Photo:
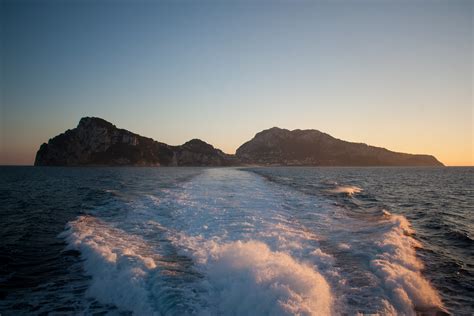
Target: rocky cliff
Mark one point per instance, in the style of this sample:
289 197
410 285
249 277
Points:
278 146
97 142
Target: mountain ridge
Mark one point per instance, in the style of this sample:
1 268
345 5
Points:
97 142
277 146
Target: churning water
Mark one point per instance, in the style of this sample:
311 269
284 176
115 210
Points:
218 241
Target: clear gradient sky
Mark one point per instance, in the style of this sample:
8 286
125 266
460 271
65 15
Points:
396 74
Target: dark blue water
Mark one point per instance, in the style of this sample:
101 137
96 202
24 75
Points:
275 241
438 202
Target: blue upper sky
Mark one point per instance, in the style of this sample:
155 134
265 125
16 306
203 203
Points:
397 74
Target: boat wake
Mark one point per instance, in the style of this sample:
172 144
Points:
229 241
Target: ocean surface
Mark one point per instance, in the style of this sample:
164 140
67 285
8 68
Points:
236 241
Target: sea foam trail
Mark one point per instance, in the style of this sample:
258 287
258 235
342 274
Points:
392 282
400 269
119 263
240 274
254 247
231 206
247 278
256 259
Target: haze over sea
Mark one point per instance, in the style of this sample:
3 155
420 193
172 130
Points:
246 241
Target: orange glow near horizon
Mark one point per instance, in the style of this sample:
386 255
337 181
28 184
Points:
397 75
455 154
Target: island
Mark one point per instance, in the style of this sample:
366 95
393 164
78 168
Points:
97 142
277 146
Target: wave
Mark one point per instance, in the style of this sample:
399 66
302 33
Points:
249 278
347 189
254 248
246 277
118 262
130 272
400 270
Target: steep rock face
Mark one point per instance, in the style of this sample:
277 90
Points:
278 146
97 142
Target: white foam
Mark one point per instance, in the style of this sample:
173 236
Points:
247 278
348 189
400 269
343 246
248 241
117 261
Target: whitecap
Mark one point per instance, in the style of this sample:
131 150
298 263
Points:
118 262
401 270
348 189
248 278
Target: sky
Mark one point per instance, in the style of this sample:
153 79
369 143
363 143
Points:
395 74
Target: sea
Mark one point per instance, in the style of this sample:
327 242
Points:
236 241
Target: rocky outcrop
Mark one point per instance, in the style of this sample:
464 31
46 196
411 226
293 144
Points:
97 142
278 146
